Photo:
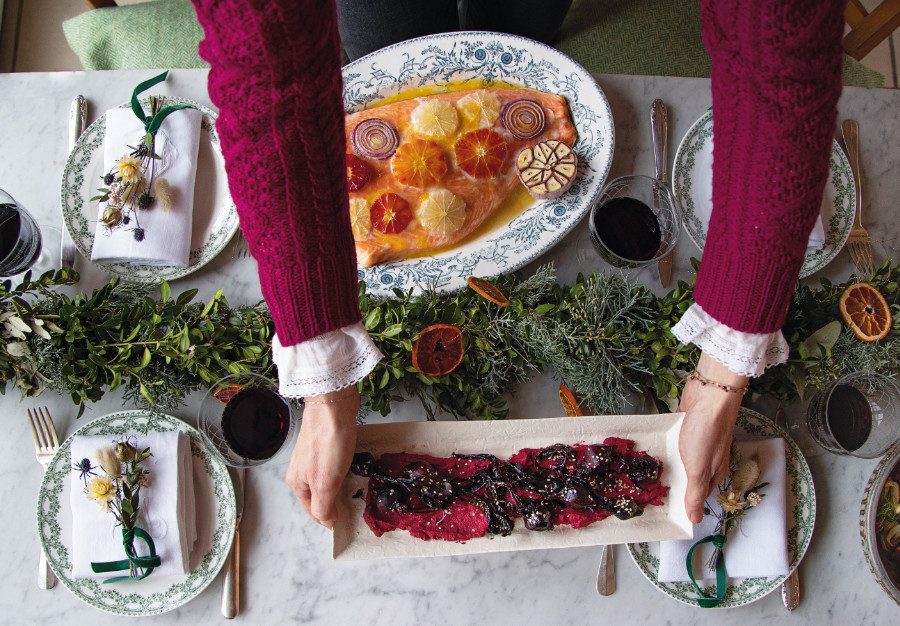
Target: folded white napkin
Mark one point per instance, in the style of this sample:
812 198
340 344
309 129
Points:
167 232
168 509
816 237
758 546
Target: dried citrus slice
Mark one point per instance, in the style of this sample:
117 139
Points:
438 350
570 404
435 119
360 220
481 153
480 108
358 173
225 393
866 312
419 163
442 213
487 290
390 214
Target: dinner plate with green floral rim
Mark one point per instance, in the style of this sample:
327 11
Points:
215 523
483 60
215 218
692 183
801 506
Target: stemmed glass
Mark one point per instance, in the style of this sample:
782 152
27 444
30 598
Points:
22 246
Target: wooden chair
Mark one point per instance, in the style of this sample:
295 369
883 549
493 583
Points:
867 30
99 4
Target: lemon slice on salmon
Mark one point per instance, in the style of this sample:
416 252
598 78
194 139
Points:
435 119
360 221
481 108
442 213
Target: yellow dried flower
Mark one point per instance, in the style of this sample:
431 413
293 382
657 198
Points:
745 477
731 502
106 457
129 169
100 489
111 216
164 194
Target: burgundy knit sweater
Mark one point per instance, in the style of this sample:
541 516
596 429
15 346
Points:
275 76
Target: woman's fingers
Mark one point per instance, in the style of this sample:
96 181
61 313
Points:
323 502
695 497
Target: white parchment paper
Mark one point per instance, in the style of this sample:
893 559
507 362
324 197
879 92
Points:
657 434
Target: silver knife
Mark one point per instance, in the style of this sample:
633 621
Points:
77 123
659 126
606 575
231 587
790 588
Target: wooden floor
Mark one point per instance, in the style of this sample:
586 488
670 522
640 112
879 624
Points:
41 46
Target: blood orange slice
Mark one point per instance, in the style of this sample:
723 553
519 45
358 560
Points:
481 153
438 350
866 312
487 290
225 393
419 163
390 214
570 404
358 173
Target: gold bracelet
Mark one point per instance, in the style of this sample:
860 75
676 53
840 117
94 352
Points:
695 375
350 393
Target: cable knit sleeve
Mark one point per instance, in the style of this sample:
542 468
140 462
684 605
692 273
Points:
275 77
776 78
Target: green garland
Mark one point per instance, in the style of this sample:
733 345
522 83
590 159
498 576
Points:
605 336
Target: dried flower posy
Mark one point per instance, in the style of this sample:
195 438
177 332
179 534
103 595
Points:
128 185
118 489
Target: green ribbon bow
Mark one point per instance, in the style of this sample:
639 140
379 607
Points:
706 601
153 122
133 562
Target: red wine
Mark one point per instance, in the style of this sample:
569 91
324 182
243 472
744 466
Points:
20 242
849 417
628 228
255 423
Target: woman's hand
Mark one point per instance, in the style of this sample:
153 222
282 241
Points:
323 452
705 442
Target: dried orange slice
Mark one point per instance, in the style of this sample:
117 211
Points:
866 312
568 401
481 153
419 163
487 290
225 393
438 350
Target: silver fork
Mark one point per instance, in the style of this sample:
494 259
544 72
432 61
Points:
46 443
859 244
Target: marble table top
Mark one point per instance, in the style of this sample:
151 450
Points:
287 574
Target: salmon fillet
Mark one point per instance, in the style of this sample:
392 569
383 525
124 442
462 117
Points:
482 196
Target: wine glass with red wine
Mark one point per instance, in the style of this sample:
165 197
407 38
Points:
857 415
245 420
21 242
635 222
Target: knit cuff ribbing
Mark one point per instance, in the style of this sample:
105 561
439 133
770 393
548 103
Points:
747 292
310 299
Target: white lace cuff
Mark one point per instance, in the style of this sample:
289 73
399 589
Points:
325 363
746 354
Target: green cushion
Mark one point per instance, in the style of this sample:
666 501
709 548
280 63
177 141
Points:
654 37
160 34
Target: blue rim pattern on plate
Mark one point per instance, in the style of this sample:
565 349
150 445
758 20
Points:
490 57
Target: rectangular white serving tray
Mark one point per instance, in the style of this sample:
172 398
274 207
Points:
657 434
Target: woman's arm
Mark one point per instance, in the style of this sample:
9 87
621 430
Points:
275 76
776 78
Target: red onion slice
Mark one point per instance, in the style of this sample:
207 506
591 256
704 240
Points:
524 118
375 138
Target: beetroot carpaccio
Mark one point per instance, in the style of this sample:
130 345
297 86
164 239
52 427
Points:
467 496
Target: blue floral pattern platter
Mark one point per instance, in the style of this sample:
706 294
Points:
489 58
692 183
